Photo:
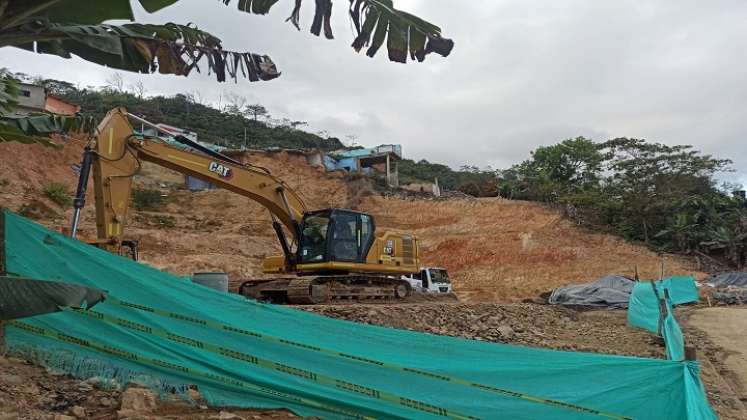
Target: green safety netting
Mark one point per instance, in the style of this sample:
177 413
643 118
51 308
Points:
645 310
172 334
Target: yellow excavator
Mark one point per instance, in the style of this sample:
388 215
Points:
328 254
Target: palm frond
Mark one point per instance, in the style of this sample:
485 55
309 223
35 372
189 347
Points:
168 49
36 128
8 93
375 21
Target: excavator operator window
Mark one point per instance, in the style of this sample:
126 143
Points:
314 238
345 237
336 235
366 236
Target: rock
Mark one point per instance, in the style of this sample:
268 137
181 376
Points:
194 395
54 372
138 399
105 402
63 417
78 412
85 387
13 416
225 415
506 331
10 379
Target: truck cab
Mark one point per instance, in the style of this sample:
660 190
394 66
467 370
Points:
430 280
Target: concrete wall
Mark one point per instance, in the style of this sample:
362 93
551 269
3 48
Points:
32 97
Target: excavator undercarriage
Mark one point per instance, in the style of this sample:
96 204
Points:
326 289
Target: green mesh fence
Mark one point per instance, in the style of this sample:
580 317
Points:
651 308
172 335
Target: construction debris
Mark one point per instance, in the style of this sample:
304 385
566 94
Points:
729 288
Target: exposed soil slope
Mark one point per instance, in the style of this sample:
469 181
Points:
496 250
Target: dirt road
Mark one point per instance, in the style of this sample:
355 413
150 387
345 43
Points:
727 328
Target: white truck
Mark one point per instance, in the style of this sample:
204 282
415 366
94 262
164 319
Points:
430 280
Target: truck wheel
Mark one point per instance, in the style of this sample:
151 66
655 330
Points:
402 290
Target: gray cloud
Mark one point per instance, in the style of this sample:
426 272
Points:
523 74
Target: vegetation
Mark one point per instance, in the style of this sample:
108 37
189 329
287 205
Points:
66 27
665 196
164 221
468 179
146 199
233 125
58 193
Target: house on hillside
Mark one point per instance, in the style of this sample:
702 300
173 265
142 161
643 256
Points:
34 98
382 159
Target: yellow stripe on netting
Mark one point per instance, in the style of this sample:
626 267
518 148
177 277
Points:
459 381
181 369
273 365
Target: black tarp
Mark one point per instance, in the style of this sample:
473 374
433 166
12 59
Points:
731 287
735 278
611 291
22 297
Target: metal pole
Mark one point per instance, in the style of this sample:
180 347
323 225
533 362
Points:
143 121
80 194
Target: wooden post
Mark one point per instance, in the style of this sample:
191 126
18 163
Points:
690 353
662 269
2 273
2 241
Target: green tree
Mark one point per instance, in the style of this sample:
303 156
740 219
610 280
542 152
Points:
568 167
256 110
650 178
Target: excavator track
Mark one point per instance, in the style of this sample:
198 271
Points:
326 289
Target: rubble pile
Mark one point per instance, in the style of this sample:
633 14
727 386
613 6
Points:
524 324
31 392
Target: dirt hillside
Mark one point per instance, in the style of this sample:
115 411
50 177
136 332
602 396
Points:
495 250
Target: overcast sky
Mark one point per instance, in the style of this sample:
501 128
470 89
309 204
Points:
523 74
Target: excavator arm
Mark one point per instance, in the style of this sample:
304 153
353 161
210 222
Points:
116 156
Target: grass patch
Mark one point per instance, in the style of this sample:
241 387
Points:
58 193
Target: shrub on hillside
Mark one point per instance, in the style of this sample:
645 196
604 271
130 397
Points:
58 193
162 221
146 199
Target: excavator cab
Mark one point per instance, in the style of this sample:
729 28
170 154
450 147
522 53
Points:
335 235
